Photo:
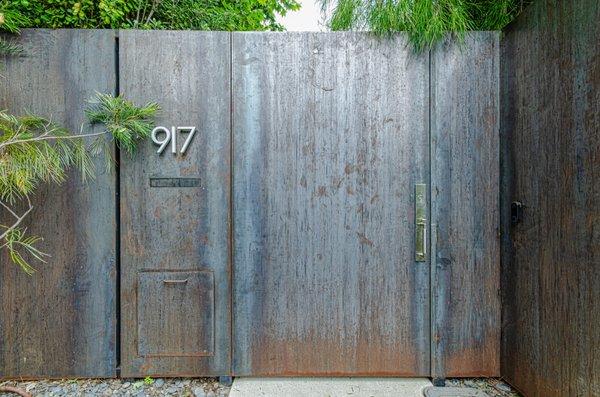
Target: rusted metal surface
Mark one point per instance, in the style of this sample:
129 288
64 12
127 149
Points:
61 321
177 232
465 176
330 138
551 163
332 134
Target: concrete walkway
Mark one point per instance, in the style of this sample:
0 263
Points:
328 387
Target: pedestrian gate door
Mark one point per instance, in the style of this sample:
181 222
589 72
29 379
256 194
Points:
329 144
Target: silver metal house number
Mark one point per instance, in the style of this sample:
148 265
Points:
170 135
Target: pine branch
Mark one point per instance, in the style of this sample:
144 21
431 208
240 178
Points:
9 48
35 150
16 240
19 218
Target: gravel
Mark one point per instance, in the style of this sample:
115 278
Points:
197 387
493 387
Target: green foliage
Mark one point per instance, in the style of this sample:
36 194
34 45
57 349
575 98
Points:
11 20
229 15
425 21
9 48
34 150
11 17
126 122
17 242
154 14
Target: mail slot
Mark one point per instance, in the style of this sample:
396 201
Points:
174 182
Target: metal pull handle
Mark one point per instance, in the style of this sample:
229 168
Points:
175 281
420 222
421 251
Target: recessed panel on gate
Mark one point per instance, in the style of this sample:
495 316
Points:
175 264
331 136
180 306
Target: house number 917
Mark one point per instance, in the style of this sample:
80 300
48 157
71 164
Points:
170 135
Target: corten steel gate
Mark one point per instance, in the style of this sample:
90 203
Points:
336 212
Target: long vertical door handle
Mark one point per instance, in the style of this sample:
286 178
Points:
420 222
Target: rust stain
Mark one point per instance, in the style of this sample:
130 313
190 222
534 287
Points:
321 191
145 367
364 240
530 381
189 170
348 169
205 240
337 182
374 198
370 355
349 190
478 359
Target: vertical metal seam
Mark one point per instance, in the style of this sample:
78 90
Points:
230 210
497 71
117 220
432 222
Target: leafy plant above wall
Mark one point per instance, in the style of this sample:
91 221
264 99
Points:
34 150
11 20
153 14
425 21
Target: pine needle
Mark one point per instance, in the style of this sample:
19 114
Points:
124 121
425 21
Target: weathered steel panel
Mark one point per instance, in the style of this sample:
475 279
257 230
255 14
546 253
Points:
551 163
172 226
465 207
60 322
182 298
330 138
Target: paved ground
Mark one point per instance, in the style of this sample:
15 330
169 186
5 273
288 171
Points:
209 387
328 387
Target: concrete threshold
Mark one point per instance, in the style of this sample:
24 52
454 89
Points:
329 387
